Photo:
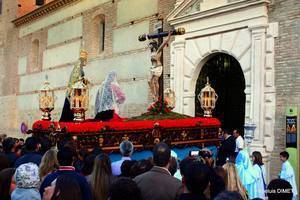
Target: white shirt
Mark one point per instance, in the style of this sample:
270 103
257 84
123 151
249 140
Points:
239 144
287 173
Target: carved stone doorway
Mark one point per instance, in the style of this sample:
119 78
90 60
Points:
227 78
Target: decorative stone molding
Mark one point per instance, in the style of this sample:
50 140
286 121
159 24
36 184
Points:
42 11
239 29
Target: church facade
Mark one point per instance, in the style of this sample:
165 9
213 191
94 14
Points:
260 38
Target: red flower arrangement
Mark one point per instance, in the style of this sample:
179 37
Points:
159 107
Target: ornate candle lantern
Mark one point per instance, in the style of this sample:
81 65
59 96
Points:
170 98
79 100
46 100
208 98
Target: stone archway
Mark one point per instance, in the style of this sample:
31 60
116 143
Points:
227 78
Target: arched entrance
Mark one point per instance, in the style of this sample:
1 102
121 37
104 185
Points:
227 78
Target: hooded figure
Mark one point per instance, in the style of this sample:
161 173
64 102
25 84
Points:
27 182
246 172
109 98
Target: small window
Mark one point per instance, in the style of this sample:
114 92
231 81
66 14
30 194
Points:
101 35
0 7
99 31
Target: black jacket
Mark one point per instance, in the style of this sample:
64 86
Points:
226 150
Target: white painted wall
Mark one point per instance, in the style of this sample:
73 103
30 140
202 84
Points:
66 31
126 39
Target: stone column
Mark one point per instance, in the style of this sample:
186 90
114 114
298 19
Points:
176 72
257 83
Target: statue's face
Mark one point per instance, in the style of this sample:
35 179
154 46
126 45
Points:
83 57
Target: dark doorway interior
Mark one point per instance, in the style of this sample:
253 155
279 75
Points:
227 78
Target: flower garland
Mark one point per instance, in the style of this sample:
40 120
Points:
159 107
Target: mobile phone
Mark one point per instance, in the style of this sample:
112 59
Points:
194 153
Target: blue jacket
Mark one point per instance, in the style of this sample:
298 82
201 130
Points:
29 157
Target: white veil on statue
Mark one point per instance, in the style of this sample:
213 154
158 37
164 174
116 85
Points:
109 95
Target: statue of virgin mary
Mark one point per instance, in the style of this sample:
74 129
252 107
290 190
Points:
109 98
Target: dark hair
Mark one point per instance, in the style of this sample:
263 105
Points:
173 166
184 164
281 184
45 145
21 139
140 167
125 189
4 162
65 156
126 166
5 181
161 154
126 148
88 165
285 154
257 158
153 45
226 195
8 144
96 151
31 144
197 177
66 188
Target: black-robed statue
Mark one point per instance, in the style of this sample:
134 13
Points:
76 75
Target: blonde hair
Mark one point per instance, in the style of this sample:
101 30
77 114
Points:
49 163
101 177
233 182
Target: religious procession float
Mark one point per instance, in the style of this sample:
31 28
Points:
107 130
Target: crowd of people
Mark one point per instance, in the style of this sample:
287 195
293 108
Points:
34 169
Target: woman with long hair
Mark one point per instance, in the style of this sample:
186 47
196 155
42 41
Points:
260 170
48 164
233 182
65 188
101 177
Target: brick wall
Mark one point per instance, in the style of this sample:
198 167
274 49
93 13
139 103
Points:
287 69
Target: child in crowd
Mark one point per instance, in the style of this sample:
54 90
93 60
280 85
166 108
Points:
287 172
27 183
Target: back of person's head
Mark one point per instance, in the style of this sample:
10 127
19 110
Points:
173 166
4 162
140 167
65 156
126 167
227 195
88 164
226 131
96 151
5 182
31 144
232 180
124 189
101 176
27 176
183 165
257 158
8 144
279 189
66 188
45 145
196 178
161 154
49 163
126 148
285 154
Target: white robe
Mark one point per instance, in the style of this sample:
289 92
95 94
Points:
260 174
287 173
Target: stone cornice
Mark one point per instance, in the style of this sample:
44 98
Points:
42 11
